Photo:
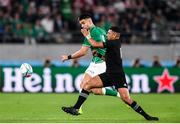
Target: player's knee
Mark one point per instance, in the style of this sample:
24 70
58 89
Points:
81 85
87 86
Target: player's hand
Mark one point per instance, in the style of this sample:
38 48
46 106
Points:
85 32
64 58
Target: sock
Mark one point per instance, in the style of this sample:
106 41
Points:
110 92
82 97
80 108
80 90
138 109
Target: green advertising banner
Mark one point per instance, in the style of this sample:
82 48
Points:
68 79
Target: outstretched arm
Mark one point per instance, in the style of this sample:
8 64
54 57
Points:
94 43
83 51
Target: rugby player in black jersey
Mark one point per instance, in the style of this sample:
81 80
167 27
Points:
114 75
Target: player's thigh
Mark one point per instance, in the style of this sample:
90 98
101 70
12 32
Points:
92 71
85 79
94 82
99 68
95 69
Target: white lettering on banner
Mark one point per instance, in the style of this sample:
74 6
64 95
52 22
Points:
47 87
64 83
13 82
32 84
78 81
136 80
10 79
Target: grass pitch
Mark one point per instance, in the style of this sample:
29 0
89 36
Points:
97 109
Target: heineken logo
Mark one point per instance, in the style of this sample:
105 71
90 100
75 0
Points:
68 80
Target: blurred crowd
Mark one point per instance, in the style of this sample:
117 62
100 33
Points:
156 62
137 63
55 21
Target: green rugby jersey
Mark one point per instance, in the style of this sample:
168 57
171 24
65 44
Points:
98 35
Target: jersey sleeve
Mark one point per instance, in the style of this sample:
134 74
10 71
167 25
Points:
98 36
109 44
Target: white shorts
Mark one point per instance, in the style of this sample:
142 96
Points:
95 69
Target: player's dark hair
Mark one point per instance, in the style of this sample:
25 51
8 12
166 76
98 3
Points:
115 29
84 16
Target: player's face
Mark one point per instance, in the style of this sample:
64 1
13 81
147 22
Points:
85 23
110 35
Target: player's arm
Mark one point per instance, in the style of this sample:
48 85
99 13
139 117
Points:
91 40
83 51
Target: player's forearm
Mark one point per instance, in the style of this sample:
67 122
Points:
83 51
77 54
95 43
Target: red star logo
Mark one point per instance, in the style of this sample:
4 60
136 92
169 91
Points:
165 81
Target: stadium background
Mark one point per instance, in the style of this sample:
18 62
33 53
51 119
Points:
39 31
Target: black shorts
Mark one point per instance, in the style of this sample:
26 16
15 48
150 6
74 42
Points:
114 79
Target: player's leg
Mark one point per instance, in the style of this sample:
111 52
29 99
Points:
73 110
124 93
85 79
95 82
100 68
109 91
97 91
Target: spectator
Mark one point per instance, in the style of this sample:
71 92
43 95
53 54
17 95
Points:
137 63
75 63
58 23
38 32
48 63
141 20
177 62
156 62
48 24
66 10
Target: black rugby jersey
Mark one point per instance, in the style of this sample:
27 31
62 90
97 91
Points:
113 56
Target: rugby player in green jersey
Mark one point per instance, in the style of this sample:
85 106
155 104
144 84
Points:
97 65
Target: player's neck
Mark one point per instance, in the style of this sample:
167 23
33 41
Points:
92 25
